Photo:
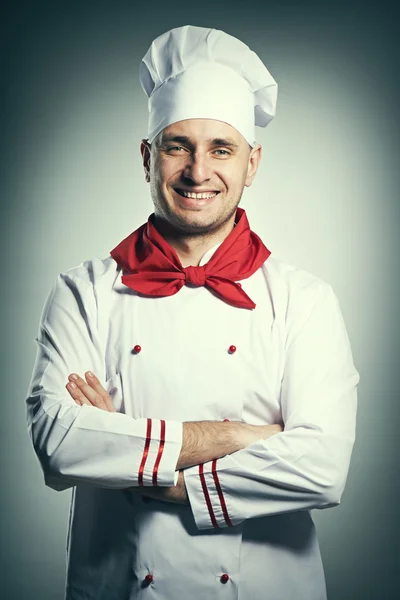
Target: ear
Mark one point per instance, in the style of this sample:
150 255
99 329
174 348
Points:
145 150
253 162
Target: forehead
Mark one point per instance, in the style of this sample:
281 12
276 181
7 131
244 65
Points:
202 130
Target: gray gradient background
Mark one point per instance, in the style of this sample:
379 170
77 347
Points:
325 199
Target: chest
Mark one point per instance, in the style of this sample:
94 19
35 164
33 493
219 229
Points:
199 358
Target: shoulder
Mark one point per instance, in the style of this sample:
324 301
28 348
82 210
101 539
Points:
92 272
295 293
83 284
293 281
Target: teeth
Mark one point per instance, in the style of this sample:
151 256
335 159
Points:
198 196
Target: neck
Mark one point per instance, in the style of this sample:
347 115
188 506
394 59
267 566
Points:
190 247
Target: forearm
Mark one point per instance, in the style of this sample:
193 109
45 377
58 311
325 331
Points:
88 446
301 469
203 441
206 440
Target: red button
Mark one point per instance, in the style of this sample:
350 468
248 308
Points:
137 348
224 578
226 420
239 284
232 349
148 578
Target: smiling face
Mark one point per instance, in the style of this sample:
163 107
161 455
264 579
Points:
197 171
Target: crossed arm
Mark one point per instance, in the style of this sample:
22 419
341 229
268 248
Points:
229 471
202 441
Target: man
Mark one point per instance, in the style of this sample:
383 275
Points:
211 393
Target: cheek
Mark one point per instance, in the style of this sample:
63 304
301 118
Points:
234 175
164 169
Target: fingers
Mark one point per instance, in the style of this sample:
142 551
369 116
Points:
76 393
89 392
96 385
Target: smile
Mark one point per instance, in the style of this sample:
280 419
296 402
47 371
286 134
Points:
198 196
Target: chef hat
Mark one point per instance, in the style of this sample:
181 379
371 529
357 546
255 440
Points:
194 72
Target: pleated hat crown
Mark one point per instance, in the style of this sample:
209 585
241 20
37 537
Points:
195 72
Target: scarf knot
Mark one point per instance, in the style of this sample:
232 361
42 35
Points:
152 266
195 275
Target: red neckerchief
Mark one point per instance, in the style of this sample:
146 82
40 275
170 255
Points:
152 267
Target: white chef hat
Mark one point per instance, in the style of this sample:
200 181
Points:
195 72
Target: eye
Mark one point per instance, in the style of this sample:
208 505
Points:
175 148
222 152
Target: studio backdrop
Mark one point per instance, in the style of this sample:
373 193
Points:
325 199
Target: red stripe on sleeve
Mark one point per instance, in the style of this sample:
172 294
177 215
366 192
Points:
207 496
160 451
220 493
145 452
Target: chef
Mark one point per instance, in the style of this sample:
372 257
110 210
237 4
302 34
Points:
197 394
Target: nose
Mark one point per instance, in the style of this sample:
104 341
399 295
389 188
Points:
198 168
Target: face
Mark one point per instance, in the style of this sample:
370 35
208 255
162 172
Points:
197 171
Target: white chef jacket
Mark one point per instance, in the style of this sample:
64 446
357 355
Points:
247 533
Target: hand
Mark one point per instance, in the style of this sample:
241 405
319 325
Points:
89 392
176 494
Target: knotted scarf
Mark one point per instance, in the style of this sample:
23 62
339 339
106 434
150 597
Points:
153 268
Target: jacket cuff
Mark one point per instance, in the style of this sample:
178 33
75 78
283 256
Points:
162 447
207 498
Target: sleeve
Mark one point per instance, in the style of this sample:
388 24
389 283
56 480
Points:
83 444
305 466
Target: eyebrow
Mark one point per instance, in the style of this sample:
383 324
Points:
183 139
